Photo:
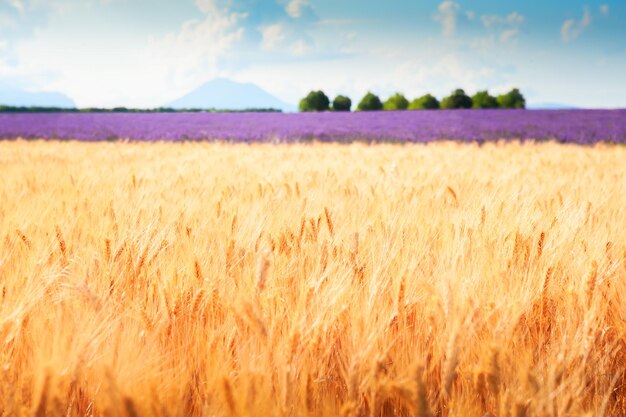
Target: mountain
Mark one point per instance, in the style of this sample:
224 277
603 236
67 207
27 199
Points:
551 106
224 94
11 97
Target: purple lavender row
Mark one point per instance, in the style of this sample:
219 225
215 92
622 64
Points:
572 126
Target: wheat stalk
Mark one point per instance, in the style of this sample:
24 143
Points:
540 244
261 277
329 222
23 238
42 404
590 281
227 391
450 364
61 242
422 406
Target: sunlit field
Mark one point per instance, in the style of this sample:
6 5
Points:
206 279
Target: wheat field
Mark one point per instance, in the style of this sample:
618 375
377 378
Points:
207 279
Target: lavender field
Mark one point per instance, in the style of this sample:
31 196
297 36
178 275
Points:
571 126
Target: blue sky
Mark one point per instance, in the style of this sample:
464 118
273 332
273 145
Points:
147 52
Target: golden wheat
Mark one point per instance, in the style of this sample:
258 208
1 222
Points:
206 279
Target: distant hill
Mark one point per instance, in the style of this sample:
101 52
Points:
222 94
10 97
551 106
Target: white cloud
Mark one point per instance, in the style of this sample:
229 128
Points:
569 31
484 44
54 6
508 25
447 16
295 7
334 22
489 20
285 40
195 50
572 29
272 36
513 19
604 9
122 69
17 4
207 6
508 35
300 48
471 15
586 21
7 21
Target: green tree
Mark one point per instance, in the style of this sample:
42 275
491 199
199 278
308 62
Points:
314 101
370 102
426 102
457 100
396 102
484 100
512 100
342 103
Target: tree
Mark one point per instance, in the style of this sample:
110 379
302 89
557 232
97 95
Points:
396 102
512 100
483 100
314 101
457 100
426 102
342 103
370 102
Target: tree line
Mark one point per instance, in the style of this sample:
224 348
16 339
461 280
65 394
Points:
458 99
